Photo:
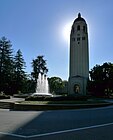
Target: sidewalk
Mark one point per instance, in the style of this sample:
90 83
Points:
12 100
7 104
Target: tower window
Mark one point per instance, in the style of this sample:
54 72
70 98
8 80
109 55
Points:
78 38
84 28
73 30
83 38
78 28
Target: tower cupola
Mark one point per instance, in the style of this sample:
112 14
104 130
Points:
79 18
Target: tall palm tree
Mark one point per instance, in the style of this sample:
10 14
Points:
39 66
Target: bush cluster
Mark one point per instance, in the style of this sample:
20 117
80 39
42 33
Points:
37 98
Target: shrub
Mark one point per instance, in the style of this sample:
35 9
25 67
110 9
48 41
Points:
35 98
59 98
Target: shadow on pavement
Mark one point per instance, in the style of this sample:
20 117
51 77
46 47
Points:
40 123
28 124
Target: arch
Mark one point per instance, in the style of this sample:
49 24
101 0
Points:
77 88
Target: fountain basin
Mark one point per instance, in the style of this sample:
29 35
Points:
42 94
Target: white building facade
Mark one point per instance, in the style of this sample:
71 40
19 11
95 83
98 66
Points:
79 57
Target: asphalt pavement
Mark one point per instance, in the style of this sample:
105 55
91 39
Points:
81 124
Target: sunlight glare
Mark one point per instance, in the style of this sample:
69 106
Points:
66 31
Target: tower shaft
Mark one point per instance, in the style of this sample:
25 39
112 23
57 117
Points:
79 57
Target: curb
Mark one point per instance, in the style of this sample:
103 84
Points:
27 107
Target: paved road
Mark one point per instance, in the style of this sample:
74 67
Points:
83 124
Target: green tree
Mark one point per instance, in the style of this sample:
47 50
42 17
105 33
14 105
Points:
56 84
6 65
39 66
19 75
102 79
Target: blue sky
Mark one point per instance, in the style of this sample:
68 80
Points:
36 28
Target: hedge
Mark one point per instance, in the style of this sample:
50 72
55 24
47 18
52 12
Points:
59 98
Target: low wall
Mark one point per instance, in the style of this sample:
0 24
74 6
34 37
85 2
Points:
6 105
26 107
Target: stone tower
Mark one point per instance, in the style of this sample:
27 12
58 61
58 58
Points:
79 57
